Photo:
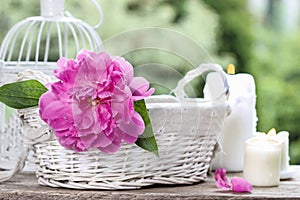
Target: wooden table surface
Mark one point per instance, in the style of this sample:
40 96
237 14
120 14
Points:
25 186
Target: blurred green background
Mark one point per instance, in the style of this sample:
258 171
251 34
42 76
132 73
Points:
258 36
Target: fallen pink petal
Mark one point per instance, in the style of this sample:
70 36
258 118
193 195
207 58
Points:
221 179
240 185
236 184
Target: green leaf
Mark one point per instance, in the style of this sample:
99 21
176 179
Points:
146 140
23 94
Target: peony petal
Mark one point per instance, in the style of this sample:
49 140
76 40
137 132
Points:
67 70
59 124
93 67
221 179
46 99
127 68
128 139
85 120
240 185
134 128
53 110
71 142
96 141
79 146
102 140
113 147
122 105
87 140
139 88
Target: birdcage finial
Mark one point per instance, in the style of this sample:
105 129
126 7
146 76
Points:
52 8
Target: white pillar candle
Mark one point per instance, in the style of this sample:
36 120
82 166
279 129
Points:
262 161
240 124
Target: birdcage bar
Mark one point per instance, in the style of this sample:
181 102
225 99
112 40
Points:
29 47
25 39
78 31
47 44
37 42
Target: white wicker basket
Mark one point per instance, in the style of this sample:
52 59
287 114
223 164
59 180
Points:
186 131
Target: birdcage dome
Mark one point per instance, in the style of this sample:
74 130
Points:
37 43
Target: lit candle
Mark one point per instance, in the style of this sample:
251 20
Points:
262 161
285 159
241 123
283 136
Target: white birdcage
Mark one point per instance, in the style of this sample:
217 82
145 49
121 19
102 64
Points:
37 43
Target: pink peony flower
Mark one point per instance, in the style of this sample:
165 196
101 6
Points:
237 184
91 106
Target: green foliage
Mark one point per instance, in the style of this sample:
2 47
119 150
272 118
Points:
147 139
276 70
234 30
23 94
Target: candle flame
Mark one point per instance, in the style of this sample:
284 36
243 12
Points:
272 132
230 69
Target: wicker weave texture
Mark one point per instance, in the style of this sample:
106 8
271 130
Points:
186 146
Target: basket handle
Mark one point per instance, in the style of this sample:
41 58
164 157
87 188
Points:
209 67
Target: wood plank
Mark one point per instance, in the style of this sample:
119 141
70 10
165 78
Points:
25 186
